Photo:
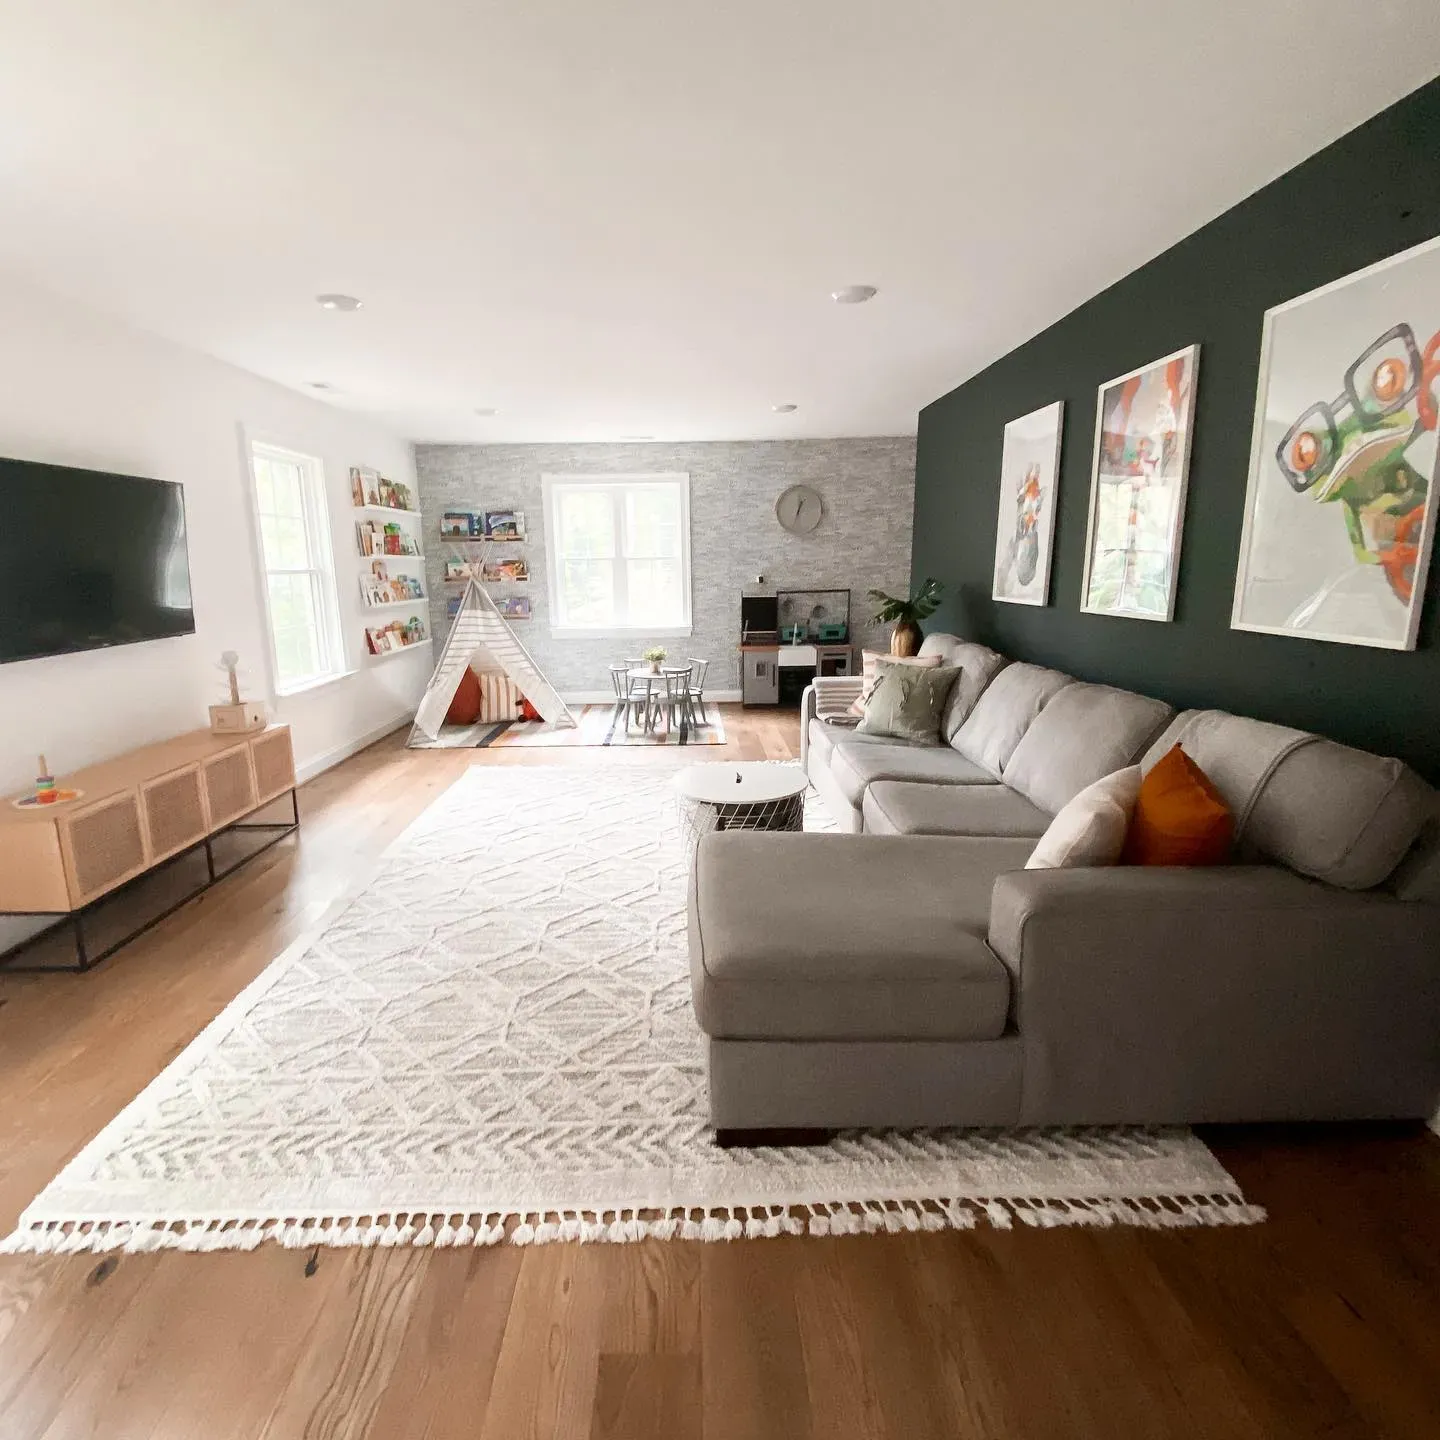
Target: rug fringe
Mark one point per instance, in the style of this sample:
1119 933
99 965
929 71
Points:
456 1229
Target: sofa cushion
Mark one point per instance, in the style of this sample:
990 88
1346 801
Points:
825 735
1090 830
1085 733
1179 817
1004 712
1340 815
834 696
895 808
940 647
870 666
908 700
854 767
1417 877
839 966
979 665
1237 754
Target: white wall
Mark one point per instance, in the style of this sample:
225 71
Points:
77 388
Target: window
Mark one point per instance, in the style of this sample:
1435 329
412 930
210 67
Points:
618 552
294 526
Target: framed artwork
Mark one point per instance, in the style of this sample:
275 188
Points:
1340 508
1143 423
1025 530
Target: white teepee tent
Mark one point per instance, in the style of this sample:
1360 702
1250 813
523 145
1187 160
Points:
481 631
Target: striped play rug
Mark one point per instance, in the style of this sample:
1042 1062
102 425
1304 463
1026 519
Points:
599 725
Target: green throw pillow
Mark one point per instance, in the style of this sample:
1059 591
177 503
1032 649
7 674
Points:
908 700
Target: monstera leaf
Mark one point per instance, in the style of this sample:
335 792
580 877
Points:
920 606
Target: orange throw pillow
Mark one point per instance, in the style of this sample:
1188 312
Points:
1180 818
465 705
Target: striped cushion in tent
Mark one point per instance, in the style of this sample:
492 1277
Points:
499 697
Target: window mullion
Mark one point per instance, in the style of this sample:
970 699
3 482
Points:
620 564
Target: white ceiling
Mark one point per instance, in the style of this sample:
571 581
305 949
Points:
607 217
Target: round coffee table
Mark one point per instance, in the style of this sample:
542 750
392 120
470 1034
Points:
739 795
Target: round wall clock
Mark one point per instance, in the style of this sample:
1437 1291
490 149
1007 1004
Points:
800 509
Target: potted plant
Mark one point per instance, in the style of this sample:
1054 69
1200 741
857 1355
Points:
907 614
656 656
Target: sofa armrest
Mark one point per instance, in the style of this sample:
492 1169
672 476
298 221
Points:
1234 993
839 691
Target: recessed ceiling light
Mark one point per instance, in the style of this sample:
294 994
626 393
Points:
486 411
337 302
637 437
784 409
853 294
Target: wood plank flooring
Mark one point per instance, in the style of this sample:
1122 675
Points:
1324 1322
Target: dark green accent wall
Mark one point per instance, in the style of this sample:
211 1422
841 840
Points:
1372 193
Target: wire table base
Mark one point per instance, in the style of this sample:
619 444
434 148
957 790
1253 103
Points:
700 817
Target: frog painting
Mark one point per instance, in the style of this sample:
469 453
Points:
1340 514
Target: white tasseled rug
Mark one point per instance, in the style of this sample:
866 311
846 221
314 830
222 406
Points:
493 1040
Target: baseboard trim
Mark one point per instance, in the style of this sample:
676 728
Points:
331 758
607 697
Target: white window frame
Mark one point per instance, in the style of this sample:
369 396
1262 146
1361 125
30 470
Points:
319 542
551 485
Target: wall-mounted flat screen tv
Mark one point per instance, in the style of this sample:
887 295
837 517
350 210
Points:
89 559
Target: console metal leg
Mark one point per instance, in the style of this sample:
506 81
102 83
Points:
82 955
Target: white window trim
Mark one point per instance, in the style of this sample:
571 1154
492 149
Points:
316 499
548 487
305 686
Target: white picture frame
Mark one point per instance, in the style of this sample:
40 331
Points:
1134 581
1299 571
1025 522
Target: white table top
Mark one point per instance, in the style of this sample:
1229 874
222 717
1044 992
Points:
646 673
743 782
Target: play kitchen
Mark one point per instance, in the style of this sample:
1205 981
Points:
787 639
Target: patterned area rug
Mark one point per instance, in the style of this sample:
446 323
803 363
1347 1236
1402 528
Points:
493 1040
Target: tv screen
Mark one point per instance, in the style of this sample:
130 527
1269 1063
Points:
88 560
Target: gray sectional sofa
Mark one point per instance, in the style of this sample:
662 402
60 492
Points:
913 973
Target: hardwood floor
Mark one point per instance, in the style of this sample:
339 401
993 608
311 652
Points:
1324 1322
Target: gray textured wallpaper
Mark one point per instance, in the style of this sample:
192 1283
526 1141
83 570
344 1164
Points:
864 540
